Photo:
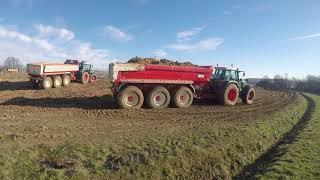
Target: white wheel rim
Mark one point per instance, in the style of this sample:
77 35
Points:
66 81
47 84
58 83
131 99
250 95
184 98
159 99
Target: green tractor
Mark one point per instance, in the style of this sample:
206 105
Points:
86 73
228 87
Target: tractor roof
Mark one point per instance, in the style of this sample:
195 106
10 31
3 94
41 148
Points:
224 68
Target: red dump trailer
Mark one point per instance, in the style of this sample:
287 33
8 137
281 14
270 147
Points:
157 86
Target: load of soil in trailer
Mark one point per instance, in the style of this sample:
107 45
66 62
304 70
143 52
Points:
141 60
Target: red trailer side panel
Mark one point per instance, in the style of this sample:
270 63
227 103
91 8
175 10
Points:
167 74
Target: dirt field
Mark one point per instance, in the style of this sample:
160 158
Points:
87 115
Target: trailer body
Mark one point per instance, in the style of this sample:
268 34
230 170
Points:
43 69
157 86
149 75
190 81
138 73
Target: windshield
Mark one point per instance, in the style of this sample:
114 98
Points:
218 74
225 74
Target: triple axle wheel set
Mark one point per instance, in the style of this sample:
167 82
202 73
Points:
57 81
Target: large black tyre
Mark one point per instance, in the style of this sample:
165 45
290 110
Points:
66 80
248 95
84 79
57 81
35 85
93 78
158 97
228 95
129 98
47 83
182 97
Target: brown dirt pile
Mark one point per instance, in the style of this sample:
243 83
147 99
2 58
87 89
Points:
141 60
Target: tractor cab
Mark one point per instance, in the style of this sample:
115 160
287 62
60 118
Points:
225 75
84 66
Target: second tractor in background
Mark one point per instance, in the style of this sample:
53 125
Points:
48 75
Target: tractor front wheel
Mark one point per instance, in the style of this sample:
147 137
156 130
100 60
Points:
248 95
229 95
159 97
129 98
93 78
85 77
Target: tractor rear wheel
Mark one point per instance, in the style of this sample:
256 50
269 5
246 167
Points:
66 80
85 77
129 98
248 95
47 83
93 78
182 98
229 95
57 81
159 97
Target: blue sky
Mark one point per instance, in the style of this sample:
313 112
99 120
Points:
263 37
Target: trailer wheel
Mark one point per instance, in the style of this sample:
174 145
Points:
85 77
159 97
66 80
57 81
130 97
47 83
93 78
229 95
182 98
248 95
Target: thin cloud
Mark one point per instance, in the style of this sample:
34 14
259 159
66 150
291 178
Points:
227 13
235 7
204 45
160 53
4 33
53 32
21 3
116 33
309 36
139 3
48 46
188 34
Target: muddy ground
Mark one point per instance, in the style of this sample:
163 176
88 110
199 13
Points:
87 114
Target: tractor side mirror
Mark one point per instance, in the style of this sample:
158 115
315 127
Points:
244 74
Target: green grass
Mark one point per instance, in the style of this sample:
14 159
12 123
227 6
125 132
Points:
194 154
301 159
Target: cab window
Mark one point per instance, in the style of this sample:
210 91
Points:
233 75
218 74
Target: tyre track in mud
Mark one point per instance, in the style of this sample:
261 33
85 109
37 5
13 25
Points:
277 150
89 113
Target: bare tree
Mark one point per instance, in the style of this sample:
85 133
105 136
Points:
12 63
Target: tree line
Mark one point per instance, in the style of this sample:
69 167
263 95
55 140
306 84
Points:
309 84
12 63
